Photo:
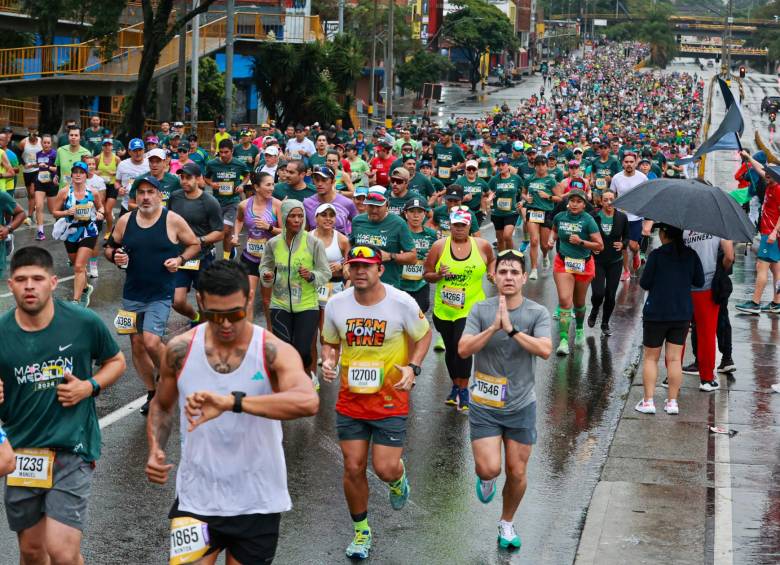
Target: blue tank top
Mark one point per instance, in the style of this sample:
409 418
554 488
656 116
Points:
147 278
82 224
252 252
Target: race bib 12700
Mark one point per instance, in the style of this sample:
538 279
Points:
365 377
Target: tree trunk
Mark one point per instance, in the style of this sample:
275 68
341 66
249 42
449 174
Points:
133 124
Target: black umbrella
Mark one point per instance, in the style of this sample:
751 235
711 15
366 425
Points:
689 204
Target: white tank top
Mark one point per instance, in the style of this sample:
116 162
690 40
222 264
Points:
233 465
333 251
29 155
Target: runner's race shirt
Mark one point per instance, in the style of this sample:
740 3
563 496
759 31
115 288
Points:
32 364
446 159
477 188
569 224
507 192
246 156
392 235
374 339
535 186
226 178
412 275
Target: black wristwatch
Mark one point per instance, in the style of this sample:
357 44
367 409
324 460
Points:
514 332
202 241
238 398
95 386
416 369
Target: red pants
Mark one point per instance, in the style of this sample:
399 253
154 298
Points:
705 314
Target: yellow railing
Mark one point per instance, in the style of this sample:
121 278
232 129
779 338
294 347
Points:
87 58
19 113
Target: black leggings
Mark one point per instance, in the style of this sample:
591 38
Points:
299 330
604 286
450 332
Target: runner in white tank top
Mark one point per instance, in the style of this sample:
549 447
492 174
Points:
234 382
30 147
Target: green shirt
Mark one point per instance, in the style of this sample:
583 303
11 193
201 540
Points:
446 158
226 177
485 169
65 159
7 207
392 234
441 217
422 243
477 188
506 193
359 172
422 184
92 139
199 156
283 190
602 169
568 224
246 156
168 184
395 204
32 364
317 160
526 172
535 186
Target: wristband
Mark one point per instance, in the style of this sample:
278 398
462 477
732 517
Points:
238 397
95 386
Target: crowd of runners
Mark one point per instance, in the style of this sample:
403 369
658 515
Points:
339 253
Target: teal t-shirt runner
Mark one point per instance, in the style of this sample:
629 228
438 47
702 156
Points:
446 158
506 193
441 217
246 156
535 186
168 184
412 275
477 188
392 234
32 364
283 190
602 170
226 177
569 224
395 204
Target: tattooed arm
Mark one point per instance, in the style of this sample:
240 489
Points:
294 395
163 408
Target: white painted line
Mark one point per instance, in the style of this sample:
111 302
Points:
723 542
129 408
63 279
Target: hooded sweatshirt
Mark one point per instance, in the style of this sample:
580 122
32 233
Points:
291 292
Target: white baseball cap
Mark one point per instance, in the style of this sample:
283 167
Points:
156 152
271 150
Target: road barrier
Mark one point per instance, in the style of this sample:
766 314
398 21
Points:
770 155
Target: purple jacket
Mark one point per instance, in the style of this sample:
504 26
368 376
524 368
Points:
345 211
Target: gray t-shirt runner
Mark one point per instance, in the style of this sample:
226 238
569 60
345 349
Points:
504 372
203 214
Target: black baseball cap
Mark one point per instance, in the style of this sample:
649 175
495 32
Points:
454 192
191 168
416 203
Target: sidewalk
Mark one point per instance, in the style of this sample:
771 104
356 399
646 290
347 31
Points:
671 491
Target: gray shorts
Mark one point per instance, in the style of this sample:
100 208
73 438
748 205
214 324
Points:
65 502
519 426
152 317
229 212
387 431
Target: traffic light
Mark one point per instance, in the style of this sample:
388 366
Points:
742 72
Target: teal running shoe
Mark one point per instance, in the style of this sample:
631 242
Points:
507 536
360 546
399 491
484 487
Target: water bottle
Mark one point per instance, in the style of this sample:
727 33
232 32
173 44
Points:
125 251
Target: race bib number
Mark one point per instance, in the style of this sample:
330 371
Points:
575 266
482 173
324 292
412 272
295 293
125 322
366 377
504 204
601 184
489 390
189 540
606 228
44 176
83 212
453 297
225 188
191 265
444 172
255 247
670 172
34 468
536 216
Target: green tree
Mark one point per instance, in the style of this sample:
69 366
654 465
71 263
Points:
621 32
159 29
211 90
657 31
344 61
475 28
424 66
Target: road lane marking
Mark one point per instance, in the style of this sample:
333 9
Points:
59 280
723 542
118 414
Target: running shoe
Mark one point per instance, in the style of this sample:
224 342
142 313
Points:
507 536
315 381
709 386
727 365
27 221
563 347
626 276
86 295
40 236
776 387
92 270
486 490
671 407
592 317
360 546
524 245
691 369
749 307
605 329
452 399
546 263
439 345
399 493
645 406
534 275
463 400
770 308
665 383
579 337
145 408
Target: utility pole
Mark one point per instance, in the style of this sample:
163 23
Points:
195 65
390 62
729 23
230 14
181 93
373 67
341 16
